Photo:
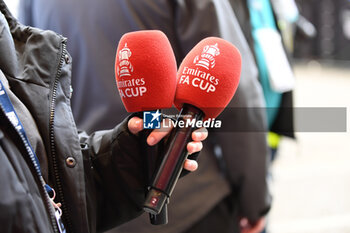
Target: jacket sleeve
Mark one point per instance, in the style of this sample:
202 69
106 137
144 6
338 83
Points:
243 137
118 171
245 151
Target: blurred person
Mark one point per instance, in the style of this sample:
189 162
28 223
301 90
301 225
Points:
258 15
263 28
229 191
257 18
54 179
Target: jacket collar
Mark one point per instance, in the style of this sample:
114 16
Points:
30 54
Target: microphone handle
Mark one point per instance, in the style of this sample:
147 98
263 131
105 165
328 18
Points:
151 162
172 163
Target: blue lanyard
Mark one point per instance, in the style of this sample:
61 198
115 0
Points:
13 117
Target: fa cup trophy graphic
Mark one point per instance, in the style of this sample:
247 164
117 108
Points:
125 67
206 59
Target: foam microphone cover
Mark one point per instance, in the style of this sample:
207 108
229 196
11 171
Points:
145 70
208 76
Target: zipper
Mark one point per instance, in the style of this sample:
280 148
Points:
47 200
56 174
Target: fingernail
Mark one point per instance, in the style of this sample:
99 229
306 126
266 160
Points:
244 222
137 123
197 135
192 165
151 140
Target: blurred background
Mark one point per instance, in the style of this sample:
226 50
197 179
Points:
311 175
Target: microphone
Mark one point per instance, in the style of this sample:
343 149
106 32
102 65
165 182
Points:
206 82
145 71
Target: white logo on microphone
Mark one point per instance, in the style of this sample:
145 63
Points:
125 68
128 86
207 58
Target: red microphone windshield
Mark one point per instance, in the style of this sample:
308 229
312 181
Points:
208 76
145 70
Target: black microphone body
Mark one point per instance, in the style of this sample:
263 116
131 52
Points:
176 153
151 162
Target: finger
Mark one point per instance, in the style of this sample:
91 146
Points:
199 134
158 134
190 165
244 223
193 147
135 125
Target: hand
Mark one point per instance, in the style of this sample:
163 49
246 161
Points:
246 227
135 125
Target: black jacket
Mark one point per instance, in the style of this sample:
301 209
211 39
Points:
94 29
97 178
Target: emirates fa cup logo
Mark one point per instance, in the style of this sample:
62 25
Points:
125 68
207 58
